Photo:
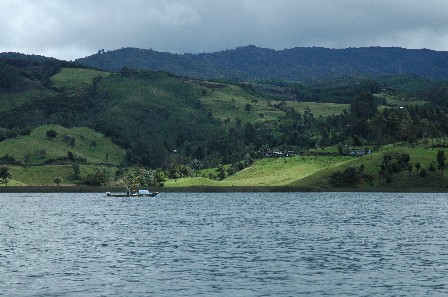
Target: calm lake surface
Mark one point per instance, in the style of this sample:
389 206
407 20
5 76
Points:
229 244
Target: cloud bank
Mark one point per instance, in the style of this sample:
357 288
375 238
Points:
69 29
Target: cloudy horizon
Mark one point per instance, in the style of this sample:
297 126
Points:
74 29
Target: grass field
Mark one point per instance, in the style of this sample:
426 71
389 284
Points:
314 172
75 77
229 102
269 172
398 101
307 172
36 143
402 181
45 175
41 175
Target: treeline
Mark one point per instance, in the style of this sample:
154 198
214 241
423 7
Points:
365 123
295 64
343 90
346 89
21 72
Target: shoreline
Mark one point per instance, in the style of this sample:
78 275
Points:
208 189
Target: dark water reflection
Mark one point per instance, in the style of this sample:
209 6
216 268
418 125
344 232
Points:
248 244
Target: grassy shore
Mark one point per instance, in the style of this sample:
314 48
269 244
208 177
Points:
213 189
295 174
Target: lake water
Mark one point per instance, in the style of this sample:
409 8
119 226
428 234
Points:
229 244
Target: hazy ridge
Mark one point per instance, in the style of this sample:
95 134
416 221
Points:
300 63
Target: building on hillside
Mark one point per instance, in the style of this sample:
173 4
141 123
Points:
359 151
278 153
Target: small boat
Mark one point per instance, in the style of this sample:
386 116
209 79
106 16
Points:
139 193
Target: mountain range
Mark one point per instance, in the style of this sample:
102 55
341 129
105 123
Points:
295 64
58 115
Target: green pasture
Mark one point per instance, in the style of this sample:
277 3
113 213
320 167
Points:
41 175
400 101
229 103
314 172
45 175
69 78
269 172
37 148
403 181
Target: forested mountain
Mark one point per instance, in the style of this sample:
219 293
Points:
295 64
20 56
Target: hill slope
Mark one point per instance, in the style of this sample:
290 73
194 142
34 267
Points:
36 148
252 62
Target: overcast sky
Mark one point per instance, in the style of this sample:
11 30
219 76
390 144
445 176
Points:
70 29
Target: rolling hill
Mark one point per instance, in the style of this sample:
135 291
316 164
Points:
155 120
295 64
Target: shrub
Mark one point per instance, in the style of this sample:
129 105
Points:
57 180
423 173
349 177
51 134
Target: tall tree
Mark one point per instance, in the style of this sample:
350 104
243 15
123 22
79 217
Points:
441 161
5 174
364 106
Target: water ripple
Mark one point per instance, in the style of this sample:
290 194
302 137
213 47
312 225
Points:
271 244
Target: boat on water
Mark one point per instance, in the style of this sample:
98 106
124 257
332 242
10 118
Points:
139 193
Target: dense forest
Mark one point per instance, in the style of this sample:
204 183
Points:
296 64
159 118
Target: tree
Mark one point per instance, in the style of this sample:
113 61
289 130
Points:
432 167
70 156
349 177
196 165
57 180
418 166
221 172
410 170
423 173
5 174
405 158
249 133
364 106
441 161
76 171
248 107
51 134
27 158
96 178
42 153
70 141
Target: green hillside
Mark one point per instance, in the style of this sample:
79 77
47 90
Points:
10 101
37 148
269 172
231 102
402 181
42 158
315 173
75 77
155 125
45 175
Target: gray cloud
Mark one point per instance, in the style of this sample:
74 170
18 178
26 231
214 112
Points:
72 29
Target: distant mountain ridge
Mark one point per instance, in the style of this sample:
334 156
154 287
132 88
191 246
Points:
24 57
300 63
